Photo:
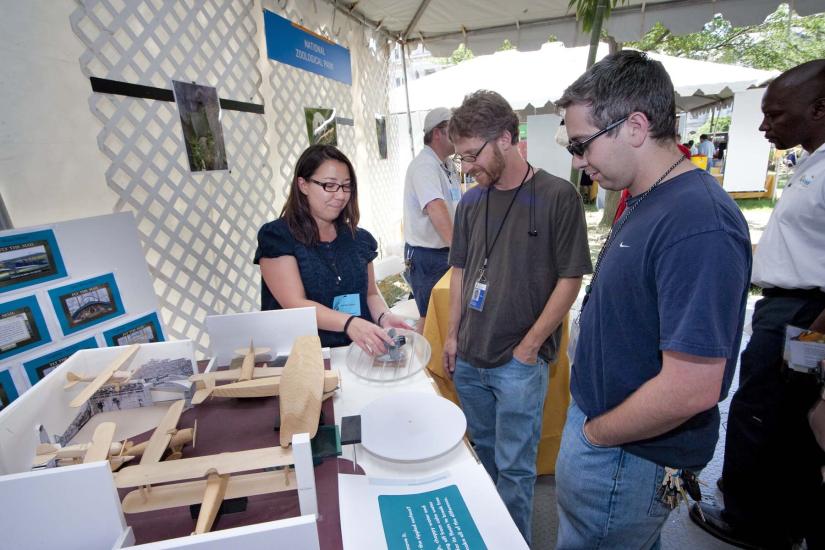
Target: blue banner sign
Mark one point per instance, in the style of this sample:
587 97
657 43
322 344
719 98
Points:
294 45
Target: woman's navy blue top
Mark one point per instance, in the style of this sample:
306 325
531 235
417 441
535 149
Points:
321 266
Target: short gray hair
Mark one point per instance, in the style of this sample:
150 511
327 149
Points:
623 83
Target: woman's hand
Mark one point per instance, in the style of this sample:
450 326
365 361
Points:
391 320
369 336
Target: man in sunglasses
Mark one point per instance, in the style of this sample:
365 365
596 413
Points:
519 251
431 193
662 318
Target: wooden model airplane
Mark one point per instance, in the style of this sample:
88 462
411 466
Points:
112 374
165 436
101 447
249 380
209 479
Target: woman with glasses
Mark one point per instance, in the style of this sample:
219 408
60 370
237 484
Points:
315 255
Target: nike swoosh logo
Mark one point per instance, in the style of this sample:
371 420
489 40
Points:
622 245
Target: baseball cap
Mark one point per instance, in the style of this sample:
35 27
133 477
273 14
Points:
436 117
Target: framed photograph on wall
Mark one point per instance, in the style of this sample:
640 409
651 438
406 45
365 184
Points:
143 330
22 326
38 368
200 118
86 303
321 126
28 259
8 391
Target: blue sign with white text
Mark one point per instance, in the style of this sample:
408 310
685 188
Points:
294 45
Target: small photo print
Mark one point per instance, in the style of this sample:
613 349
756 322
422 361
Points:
8 391
86 303
200 117
28 259
321 126
38 368
381 131
21 326
143 330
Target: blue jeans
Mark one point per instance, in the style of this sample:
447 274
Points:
426 267
504 412
607 497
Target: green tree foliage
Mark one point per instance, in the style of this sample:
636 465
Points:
506 45
782 41
720 124
586 10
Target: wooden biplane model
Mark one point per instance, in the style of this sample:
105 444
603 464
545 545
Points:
165 436
249 380
210 479
112 374
102 447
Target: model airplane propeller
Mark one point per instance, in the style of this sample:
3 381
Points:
249 380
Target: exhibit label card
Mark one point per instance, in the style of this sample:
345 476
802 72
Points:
38 368
8 391
143 330
22 326
87 303
28 259
432 520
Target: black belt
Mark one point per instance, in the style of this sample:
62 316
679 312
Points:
801 293
445 249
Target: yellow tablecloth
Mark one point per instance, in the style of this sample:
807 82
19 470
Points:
558 391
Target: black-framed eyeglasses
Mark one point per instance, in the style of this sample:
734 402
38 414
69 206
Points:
471 157
577 148
333 187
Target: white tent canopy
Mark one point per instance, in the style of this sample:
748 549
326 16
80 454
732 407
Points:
484 24
537 77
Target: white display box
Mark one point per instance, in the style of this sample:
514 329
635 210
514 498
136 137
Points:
78 506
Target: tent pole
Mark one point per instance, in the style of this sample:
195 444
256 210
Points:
596 32
407 94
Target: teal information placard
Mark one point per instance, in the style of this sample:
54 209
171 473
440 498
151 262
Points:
435 520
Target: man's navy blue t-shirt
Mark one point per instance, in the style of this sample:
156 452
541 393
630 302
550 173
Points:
675 279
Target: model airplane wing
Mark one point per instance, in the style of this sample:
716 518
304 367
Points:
104 375
202 466
162 435
101 444
302 387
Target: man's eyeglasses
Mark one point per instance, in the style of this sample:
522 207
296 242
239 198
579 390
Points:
577 148
471 157
333 187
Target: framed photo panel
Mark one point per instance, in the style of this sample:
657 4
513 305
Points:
143 330
8 391
38 368
28 259
22 326
86 303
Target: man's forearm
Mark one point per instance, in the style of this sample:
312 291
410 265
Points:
440 218
686 386
456 277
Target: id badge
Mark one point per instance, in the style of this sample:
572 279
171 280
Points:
479 292
348 303
455 193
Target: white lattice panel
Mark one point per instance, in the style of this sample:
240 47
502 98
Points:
198 230
380 180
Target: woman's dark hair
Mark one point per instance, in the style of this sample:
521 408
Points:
296 210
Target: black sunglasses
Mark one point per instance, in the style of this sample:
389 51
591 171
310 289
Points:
332 187
577 148
471 157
